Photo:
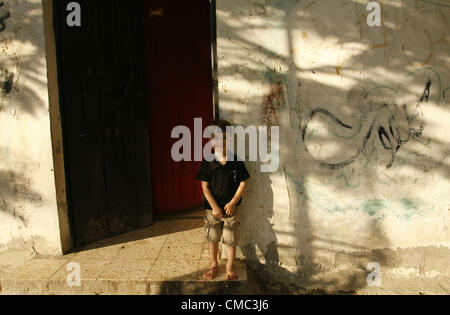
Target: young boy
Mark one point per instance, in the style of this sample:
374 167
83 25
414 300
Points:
223 182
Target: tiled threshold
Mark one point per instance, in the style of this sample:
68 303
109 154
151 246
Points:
169 257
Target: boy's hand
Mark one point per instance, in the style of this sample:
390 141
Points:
230 209
217 213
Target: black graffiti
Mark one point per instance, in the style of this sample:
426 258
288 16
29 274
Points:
8 84
426 93
390 136
6 81
3 17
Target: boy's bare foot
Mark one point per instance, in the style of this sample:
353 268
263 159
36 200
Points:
231 273
211 273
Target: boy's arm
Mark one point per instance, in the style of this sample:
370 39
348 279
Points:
217 212
230 208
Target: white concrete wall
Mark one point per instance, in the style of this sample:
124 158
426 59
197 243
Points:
279 60
28 206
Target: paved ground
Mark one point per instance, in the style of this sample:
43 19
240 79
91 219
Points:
168 258
390 285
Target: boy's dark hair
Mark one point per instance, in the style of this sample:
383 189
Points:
222 124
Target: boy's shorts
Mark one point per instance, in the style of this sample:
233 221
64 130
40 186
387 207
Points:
222 229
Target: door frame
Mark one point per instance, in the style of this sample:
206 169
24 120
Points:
66 228
215 66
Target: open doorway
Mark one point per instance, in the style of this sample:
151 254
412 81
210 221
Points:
127 76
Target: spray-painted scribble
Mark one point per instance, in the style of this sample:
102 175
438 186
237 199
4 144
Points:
436 2
3 17
388 130
314 194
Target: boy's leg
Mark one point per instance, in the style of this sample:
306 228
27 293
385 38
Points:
230 239
213 232
231 256
214 267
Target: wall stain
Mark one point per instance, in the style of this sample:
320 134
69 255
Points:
272 103
444 93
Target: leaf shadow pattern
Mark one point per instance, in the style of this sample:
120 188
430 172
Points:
381 114
15 191
21 77
23 90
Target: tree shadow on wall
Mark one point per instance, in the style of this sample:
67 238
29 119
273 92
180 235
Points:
22 72
374 129
21 85
13 193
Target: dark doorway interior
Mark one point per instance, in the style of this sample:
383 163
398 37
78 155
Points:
179 70
101 70
127 76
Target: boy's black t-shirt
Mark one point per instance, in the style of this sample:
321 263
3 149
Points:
224 180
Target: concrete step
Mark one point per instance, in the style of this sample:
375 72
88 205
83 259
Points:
33 278
168 258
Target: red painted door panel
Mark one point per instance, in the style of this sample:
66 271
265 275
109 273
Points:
179 89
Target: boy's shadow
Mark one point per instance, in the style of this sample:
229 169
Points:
261 253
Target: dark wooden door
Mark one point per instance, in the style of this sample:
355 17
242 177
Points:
180 85
101 69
